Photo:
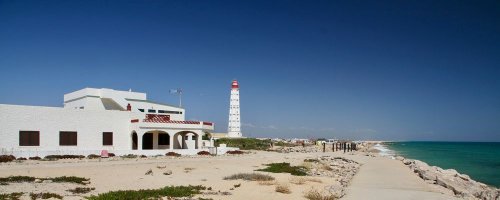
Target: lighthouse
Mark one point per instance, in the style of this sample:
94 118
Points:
234 126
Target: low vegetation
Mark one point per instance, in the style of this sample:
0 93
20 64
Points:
316 195
81 190
11 196
129 156
235 152
249 177
173 154
283 188
93 156
169 191
61 179
45 195
245 143
285 168
7 158
35 158
203 153
303 180
56 157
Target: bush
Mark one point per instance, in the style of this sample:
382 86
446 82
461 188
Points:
143 156
17 179
173 154
21 158
56 157
44 195
245 143
13 196
315 195
70 179
111 155
235 152
203 153
169 191
250 177
283 188
35 158
284 168
80 190
129 156
93 156
7 158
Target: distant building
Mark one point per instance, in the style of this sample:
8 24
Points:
121 122
234 125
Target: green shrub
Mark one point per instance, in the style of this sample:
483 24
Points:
169 191
80 190
44 195
285 168
70 179
250 177
17 179
11 196
245 143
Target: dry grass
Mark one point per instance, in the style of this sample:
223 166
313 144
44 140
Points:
283 188
316 195
267 183
303 180
250 177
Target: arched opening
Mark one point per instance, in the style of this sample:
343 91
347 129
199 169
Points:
186 140
134 141
156 139
147 141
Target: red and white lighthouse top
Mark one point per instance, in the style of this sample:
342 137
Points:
235 84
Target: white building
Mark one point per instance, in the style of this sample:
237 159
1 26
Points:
234 125
121 122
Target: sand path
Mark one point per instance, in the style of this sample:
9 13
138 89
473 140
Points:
383 178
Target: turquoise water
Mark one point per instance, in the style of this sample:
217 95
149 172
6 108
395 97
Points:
479 160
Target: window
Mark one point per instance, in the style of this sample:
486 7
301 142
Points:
107 138
142 110
163 139
29 138
151 111
67 138
171 112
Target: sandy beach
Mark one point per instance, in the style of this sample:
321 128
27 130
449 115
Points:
378 177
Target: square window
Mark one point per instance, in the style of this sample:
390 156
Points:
29 138
107 138
67 138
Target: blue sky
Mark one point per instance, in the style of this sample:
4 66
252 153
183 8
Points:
390 70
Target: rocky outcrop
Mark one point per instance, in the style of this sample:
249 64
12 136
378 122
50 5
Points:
460 184
340 169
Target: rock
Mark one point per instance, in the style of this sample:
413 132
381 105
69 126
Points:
38 181
408 161
168 172
400 158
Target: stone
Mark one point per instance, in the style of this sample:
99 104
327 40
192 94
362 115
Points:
167 172
400 158
407 161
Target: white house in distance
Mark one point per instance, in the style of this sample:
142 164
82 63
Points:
92 120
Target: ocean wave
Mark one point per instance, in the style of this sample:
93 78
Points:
384 151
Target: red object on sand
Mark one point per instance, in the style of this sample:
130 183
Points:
104 154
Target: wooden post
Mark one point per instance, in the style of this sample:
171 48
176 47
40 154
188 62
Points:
344 146
333 147
324 147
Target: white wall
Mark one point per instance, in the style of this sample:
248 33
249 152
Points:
50 120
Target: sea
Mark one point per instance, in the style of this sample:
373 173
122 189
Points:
479 160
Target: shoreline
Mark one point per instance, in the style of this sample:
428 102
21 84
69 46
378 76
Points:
461 185
359 174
